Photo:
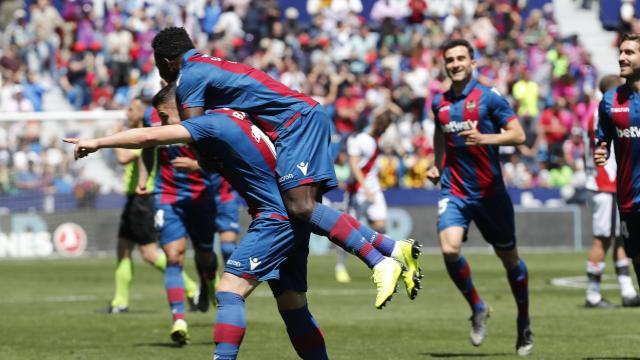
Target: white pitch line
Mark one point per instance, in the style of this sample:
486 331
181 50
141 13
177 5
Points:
580 282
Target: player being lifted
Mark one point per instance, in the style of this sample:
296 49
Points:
273 250
472 120
619 123
606 222
136 221
300 130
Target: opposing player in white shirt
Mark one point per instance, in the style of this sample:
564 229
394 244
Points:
606 221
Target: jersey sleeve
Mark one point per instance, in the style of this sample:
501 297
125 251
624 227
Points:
146 119
501 111
434 108
190 91
605 130
200 128
352 146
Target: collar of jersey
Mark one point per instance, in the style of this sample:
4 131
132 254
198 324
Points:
467 89
187 55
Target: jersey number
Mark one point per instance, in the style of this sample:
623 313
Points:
258 136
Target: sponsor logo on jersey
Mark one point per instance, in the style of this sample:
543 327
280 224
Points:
457 126
619 109
285 177
631 132
445 108
234 263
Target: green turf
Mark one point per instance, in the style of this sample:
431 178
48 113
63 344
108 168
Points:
48 311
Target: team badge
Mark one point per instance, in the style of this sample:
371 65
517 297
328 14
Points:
470 105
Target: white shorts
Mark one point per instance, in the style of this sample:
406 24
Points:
373 211
604 205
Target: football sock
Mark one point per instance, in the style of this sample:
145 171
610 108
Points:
328 222
594 276
304 333
174 284
123 276
624 279
227 249
161 262
230 325
382 243
519 281
460 273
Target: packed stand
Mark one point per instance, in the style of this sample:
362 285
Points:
98 54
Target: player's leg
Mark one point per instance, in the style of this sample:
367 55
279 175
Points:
122 277
228 227
201 229
622 263
601 226
630 231
228 243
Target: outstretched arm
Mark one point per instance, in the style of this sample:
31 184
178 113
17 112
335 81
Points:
132 139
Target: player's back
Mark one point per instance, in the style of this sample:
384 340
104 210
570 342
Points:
215 83
228 142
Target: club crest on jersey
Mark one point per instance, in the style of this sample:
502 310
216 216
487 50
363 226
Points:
457 126
471 105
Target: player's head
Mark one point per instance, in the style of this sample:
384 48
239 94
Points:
168 45
629 59
165 103
609 82
135 112
458 60
381 123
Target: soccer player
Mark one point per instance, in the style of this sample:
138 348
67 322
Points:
606 222
184 207
619 122
136 222
364 195
472 120
300 130
273 249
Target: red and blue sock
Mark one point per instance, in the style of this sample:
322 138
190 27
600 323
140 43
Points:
336 226
305 334
230 326
227 248
381 242
460 273
519 281
174 285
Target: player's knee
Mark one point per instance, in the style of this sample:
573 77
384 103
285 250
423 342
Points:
291 300
450 254
301 210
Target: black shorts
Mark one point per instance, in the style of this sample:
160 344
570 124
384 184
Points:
630 230
136 221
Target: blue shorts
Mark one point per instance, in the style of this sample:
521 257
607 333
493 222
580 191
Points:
228 216
272 251
304 154
186 218
630 230
493 216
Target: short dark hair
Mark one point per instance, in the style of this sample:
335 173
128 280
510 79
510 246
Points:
165 95
609 82
630 37
457 42
171 43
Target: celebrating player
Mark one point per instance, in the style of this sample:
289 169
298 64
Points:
606 222
472 120
301 132
271 251
136 222
619 122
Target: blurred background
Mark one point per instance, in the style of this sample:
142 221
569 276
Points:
70 68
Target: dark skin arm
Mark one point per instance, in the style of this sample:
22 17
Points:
188 113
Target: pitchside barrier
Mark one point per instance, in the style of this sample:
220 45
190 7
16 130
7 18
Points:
85 219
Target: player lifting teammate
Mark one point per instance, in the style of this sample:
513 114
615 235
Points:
472 120
300 130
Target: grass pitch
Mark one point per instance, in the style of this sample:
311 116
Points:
48 311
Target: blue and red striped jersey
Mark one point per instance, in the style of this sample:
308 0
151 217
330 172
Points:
228 142
471 171
214 83
171 185
224 191
619 122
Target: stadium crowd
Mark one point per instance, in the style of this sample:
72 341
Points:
98 54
